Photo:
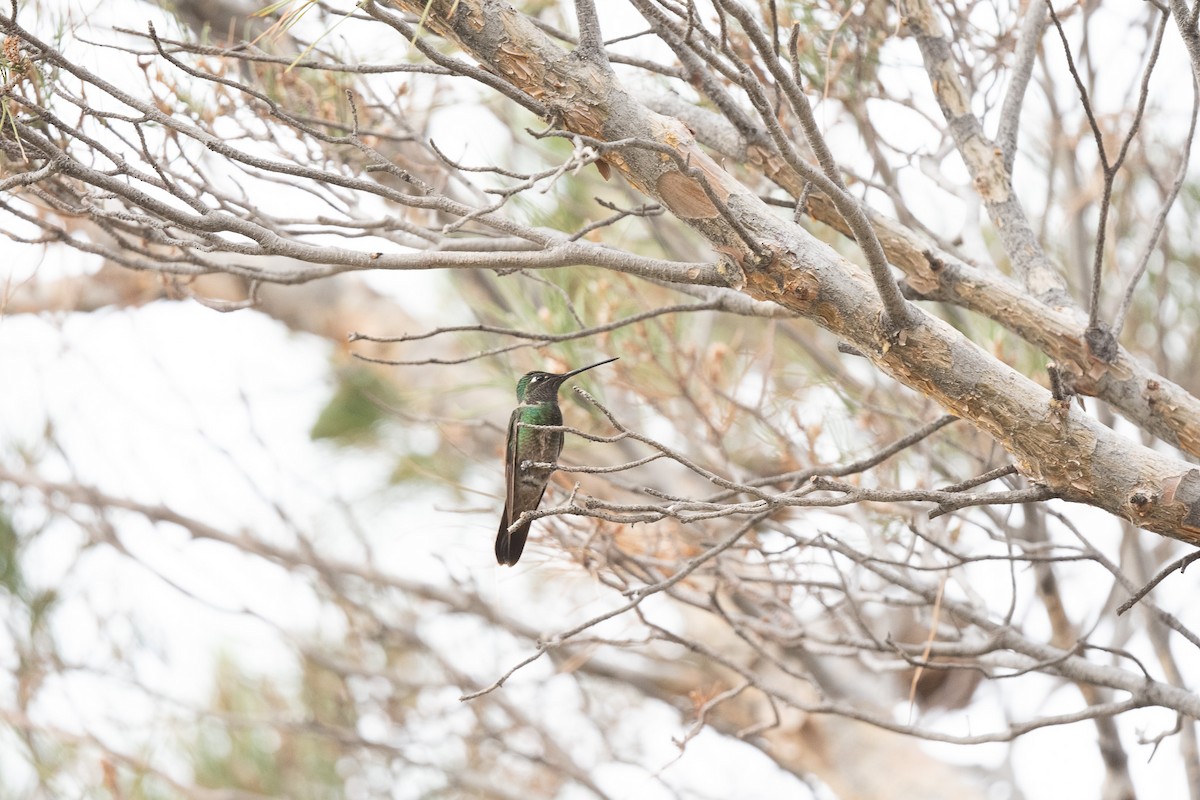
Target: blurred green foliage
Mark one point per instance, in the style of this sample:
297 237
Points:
358 405
261 738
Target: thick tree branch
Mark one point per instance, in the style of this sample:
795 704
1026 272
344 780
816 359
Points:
1128 383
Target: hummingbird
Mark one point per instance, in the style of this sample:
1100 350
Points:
537 393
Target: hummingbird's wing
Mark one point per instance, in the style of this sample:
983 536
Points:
509 546
510 466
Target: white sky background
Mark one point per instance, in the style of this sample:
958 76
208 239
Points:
209 414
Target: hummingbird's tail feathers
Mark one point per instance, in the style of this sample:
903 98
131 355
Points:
509 546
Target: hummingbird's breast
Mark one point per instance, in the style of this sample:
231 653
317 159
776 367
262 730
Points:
535 444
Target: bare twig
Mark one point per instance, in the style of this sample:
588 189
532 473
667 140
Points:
1179 565
1110 168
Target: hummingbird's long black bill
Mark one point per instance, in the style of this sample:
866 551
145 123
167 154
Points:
575 372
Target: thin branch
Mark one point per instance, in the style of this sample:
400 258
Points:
987 477
1029 39
637 596
1160 219
1180 565
540 338
1110 169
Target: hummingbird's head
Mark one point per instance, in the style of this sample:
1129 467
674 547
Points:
542 387
538 387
